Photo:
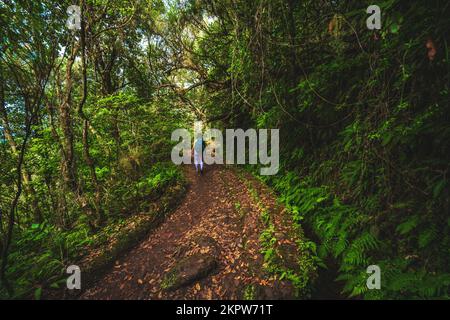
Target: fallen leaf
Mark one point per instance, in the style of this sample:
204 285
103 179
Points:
431 49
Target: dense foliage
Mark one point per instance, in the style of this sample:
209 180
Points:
364 128
86 118
95 151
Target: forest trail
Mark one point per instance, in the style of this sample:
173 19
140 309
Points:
214 235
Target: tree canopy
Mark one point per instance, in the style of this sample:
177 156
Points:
86 117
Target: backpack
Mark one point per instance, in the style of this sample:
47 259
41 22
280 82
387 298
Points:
199 145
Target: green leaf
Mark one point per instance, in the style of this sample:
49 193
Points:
395 28
408 225
426 237
438 188
38 293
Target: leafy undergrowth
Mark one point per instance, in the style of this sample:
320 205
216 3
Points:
41 254
348 234
210 249
288 254
125 234
364 131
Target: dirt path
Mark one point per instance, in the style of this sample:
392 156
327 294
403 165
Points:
217 206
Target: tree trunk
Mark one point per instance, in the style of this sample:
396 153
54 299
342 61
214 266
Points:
86 150
68 166
26 176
